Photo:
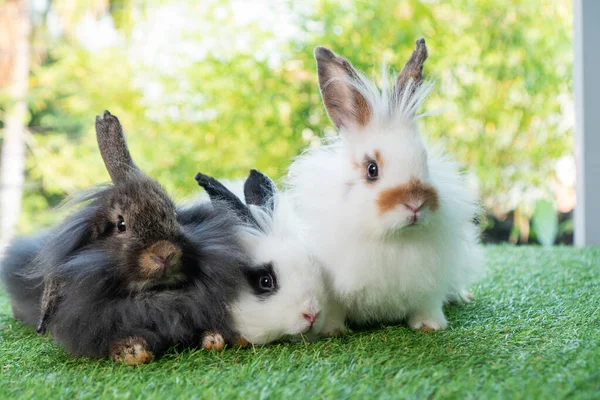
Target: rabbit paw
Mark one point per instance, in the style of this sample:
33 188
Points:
464 297
240 341
433 320
213 341
333 330
131 351
427 325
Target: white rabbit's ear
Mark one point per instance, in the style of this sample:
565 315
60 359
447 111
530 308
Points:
113 147
259 190
411 76
345 105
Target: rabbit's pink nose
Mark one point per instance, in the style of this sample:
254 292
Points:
310 317
415 207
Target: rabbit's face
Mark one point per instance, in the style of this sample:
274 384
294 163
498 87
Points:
390 178
285 295
139 224
136 221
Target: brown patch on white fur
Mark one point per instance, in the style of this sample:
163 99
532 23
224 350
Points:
152 259
131 351
414 191
379 159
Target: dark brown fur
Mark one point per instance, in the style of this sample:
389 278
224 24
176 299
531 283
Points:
102 296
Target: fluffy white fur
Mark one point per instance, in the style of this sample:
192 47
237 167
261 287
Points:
381 269
301 290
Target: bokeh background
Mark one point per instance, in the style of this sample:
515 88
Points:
225 86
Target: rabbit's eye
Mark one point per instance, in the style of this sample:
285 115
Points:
266 282
121 227
372 171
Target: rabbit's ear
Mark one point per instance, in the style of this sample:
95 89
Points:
345 105
218 192
259 190
113 147
411 76
50 302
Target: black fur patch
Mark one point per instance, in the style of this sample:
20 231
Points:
259 190
218 192
255 275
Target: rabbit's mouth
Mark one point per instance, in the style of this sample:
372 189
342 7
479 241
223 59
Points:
161 261
171 278
413 220
407 227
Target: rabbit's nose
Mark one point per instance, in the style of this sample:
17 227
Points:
414 206
162 263
311 317
165 255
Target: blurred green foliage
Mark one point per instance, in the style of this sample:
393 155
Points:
224 96
545 222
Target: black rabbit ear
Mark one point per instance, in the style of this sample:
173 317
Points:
259 190
219 193
113 147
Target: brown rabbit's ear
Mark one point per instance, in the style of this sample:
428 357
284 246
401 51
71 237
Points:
113 147
412 72
345 105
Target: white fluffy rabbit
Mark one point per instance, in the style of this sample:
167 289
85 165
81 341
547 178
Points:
285 297
390 217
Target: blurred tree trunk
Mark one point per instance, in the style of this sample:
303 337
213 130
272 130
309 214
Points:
12 166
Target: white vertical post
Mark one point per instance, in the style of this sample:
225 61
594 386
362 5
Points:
586 41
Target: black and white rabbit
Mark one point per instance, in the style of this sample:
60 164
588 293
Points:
128 274
390 217
286 297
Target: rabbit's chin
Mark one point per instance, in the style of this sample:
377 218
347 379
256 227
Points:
407 226
173 279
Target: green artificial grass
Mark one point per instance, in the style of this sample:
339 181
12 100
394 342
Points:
533 331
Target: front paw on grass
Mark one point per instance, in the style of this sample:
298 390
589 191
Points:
240 341
464 297
131 351
213 341
427 325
